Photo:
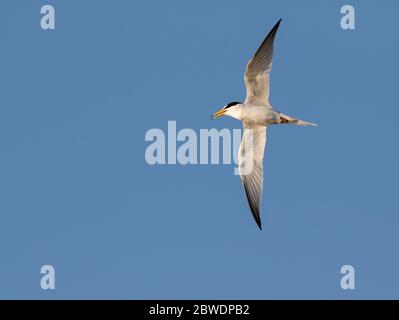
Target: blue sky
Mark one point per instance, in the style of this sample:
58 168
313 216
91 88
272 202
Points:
76 191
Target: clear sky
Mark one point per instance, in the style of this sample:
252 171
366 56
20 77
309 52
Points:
77 193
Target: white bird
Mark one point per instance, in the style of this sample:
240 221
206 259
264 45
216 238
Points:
256 114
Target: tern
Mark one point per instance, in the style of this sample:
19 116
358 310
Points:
256 114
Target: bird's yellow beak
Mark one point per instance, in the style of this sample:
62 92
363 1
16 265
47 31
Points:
218 114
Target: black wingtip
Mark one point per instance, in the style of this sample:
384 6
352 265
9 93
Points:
277 24
259 223
256 215
270 35
254 210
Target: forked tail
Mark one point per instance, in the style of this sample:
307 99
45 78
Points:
287 119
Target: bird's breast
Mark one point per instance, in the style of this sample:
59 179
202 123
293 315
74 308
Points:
259 115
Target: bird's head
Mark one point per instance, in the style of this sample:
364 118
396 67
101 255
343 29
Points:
232 109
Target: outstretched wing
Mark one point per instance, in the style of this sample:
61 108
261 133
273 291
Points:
250 159
258 71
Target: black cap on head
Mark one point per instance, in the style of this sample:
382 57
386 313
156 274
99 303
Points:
231 104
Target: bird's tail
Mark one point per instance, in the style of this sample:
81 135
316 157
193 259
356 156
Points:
287 119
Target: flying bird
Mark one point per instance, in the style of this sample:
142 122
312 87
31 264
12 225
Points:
256 114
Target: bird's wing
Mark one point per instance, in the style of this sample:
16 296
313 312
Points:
250 159
258 71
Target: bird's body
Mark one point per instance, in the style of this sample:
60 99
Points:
256 114
262 115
